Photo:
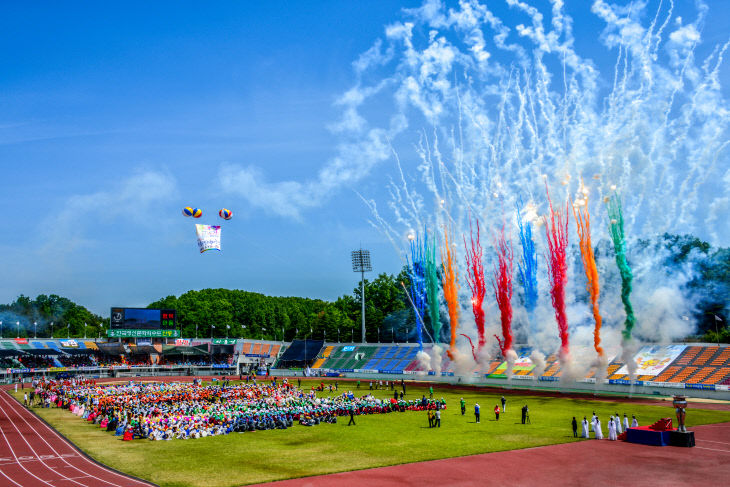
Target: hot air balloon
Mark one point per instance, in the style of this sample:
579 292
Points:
187 211
197 212
225 214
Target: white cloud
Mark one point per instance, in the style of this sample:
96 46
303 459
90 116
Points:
135 198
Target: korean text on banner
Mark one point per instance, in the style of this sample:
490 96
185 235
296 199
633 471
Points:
209 237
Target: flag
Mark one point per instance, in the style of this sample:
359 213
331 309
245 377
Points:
717 318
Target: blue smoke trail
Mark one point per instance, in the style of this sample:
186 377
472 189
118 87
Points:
416 270
528 263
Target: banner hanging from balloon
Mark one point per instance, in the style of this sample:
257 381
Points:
209 237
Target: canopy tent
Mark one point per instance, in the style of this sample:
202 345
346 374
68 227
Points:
11 353
190 351
78 351
112 348
143 349
43 351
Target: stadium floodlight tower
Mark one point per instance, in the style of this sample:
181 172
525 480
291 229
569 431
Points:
361 264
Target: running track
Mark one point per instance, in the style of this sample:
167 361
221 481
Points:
594 463
33 454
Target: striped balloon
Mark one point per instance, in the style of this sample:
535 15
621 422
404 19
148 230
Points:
187 211
197 212
225 214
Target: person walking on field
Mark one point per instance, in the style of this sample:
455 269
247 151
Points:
575 428
463 406
496 412
352 416
476 411
504 405
430 391
438 418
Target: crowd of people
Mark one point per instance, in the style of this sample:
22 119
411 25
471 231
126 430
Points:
615 426
166 411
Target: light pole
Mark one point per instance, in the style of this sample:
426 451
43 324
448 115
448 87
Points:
1 329
378 334
68 331
352 335
361 264
282 334
85 331
228 327
212 327
101 327
196 331
324 335
35 329
392 335
338 334
262 333
51 329
17 324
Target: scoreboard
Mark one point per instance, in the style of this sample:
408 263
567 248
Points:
143 322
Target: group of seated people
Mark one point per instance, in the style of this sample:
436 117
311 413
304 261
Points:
169 411
36 361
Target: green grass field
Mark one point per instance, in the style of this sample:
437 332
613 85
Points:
376 440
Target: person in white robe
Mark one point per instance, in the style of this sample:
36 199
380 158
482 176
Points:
597 429
626 422
584 432
593 421
618 424
634 421
612 430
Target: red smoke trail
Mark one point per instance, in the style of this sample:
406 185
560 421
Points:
556 231
475 280
502 284
473 352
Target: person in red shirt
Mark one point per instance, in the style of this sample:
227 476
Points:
496 411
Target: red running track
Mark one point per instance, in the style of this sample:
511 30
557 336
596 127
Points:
591 462
33 454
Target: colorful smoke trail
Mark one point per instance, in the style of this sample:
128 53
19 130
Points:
527 266
473 350
450 284
432 285
502 284
416 270
616 229
583 223
556 231
475 280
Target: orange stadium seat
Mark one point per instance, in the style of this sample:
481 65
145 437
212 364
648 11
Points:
723 357
683 374
667 374
717 376
706 354
688 355
700 375
247 347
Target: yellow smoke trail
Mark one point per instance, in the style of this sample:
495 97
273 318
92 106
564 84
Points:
450 283
583 223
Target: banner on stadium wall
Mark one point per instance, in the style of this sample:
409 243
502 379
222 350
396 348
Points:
706 387
58 369
144 343
348 349
209 237
722 388
21 341
224 341
69 344
653 360
523 363
182 342
124 333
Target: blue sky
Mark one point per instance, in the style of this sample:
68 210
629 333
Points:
114 116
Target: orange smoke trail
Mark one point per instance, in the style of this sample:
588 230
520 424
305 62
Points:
450 283
583 223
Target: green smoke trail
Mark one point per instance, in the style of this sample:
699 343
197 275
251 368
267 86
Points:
616 228
432 286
